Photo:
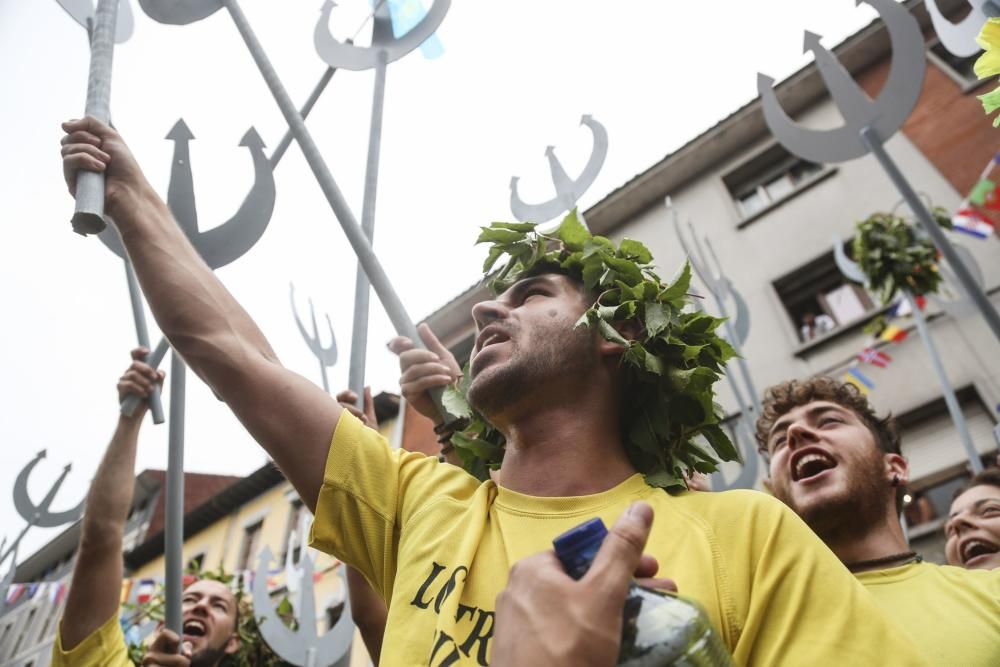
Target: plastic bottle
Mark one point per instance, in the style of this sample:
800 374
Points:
658 628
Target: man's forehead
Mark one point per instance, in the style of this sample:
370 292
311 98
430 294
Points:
211 588
811 408
549 277
974 497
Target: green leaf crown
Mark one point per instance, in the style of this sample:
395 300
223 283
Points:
670 423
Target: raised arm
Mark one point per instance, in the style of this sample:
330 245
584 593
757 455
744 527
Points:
289 416
97 577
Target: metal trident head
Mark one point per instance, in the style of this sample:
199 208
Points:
960 38
327 356
39 515
709 271
303 647
568 191
384 44
35 515
884 116
232 239
82 12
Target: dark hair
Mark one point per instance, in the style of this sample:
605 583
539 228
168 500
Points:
988 477
783 397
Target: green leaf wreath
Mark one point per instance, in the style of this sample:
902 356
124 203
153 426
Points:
893 257
670 423
253 650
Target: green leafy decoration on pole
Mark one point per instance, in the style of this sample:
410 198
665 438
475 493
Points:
893 257
988 65
670 422
253 650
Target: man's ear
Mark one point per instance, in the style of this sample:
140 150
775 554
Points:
233 645
897 470
629 330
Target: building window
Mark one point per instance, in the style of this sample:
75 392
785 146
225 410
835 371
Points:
767 179
43 634
250 546
957 68
296 511
27 628
819 299
5 636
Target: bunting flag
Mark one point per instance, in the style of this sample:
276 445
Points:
56 592
859 380
893 334
874 357
902 306
14 593
984 193
972 222
146 590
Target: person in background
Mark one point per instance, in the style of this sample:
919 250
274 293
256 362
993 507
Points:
89 633
814 326
839 467
972 532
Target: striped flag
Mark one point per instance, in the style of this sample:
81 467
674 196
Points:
972 222
893 334
902 307
14 593
56 592
874 357
859 380
146 590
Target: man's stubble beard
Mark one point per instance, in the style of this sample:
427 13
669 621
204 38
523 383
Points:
549 351
854 513
208 656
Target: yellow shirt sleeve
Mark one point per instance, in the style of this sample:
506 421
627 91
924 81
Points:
104 647
370 491
798 604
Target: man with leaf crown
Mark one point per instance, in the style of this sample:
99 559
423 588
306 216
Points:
590 376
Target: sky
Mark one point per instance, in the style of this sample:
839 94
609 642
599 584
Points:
513 78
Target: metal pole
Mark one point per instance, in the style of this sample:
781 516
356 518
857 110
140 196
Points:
949 394
978 296
359 330
142 334
355 235
174 528
131 401
88 216
286 140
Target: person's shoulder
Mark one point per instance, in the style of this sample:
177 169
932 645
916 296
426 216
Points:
104 647
729 511
959 576
711 502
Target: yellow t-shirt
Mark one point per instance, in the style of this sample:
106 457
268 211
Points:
952 615
438 545
104 647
